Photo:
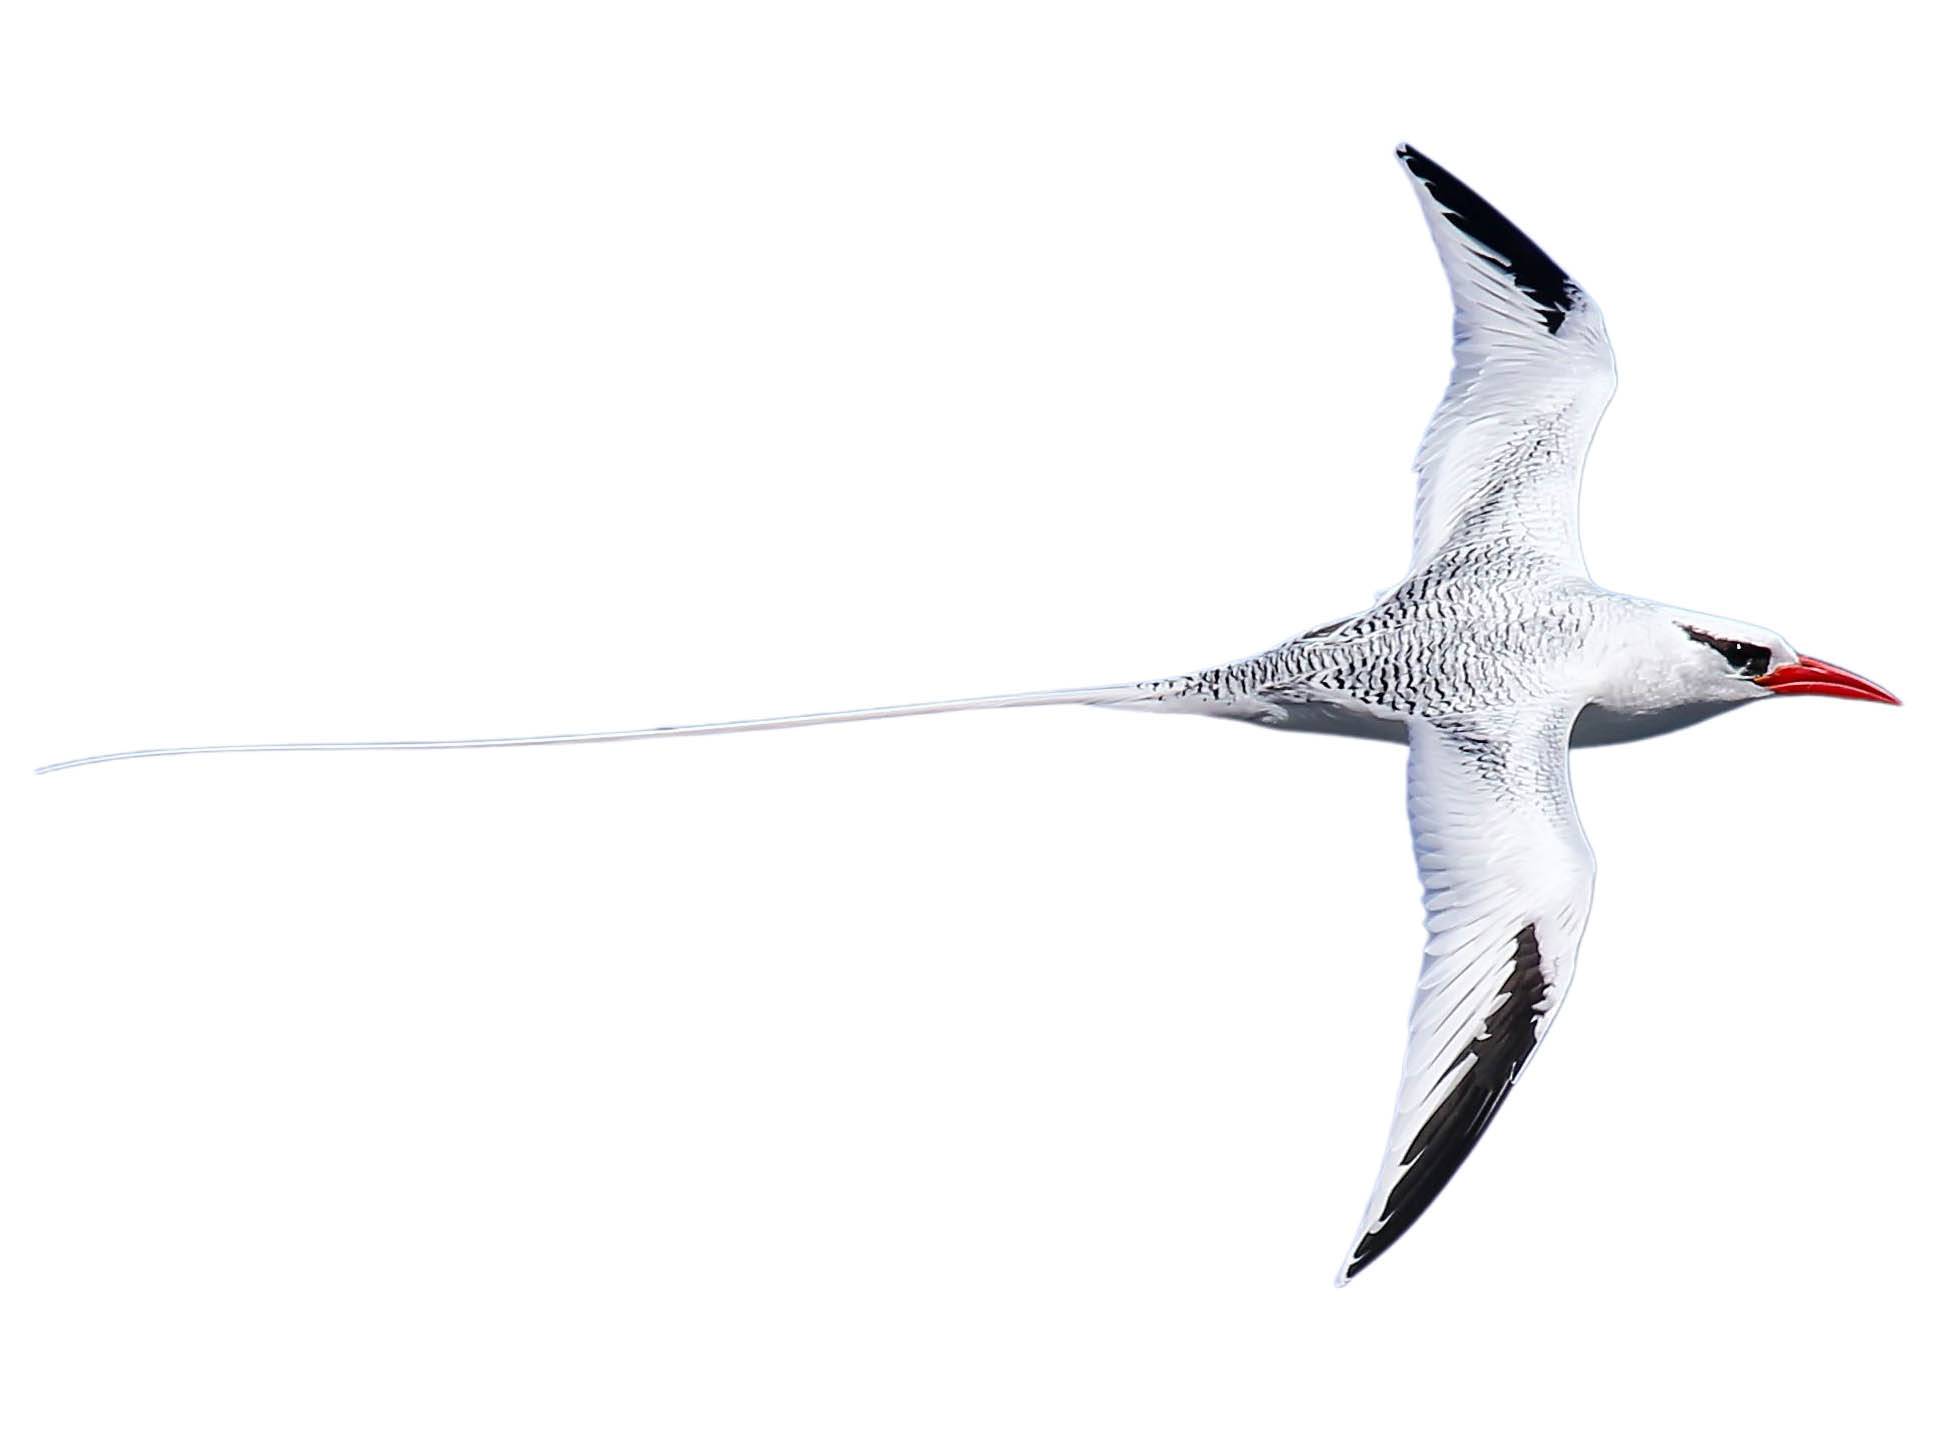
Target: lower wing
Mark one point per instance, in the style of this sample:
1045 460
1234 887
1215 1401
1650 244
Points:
1508 876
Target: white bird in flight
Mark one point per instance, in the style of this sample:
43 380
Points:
1494 655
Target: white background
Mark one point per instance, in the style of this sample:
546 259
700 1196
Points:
1006 1081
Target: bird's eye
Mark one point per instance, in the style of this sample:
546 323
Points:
1743 658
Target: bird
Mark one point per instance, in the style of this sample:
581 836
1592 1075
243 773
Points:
1493 656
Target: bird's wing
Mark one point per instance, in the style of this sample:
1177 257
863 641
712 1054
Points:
1532 374
1508 876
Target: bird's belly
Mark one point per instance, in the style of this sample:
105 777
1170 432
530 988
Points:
1605 726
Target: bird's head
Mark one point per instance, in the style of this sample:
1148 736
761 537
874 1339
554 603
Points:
1720 660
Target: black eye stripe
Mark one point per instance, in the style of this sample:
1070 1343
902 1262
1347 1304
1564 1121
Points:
1743 658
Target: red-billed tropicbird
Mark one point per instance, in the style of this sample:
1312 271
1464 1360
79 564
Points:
1494 655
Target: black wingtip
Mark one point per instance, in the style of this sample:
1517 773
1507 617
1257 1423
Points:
1532 270
1493 1061
1370 1248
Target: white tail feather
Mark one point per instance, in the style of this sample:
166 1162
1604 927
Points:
1094 696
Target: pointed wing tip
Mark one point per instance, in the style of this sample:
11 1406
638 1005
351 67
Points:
1364 1253
1451 203
1416 161
1446 190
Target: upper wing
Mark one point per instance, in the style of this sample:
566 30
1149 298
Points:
1532 374
1508 876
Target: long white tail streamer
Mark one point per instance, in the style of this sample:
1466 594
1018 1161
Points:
1093 696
